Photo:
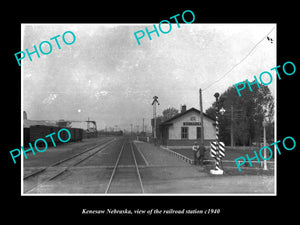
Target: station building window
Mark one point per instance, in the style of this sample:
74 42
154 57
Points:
184 132
198 132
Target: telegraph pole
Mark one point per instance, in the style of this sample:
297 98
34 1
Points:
137 132
143 125
202 148
231 127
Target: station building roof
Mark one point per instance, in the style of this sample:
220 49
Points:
169 121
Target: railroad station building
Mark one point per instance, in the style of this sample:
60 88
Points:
184 129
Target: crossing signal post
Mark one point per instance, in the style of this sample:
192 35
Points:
155 101
213 149
217 147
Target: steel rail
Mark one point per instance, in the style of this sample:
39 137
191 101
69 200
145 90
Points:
137 168
64 160
118 166
115 168
103 146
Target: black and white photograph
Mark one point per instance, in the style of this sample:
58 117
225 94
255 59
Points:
170 108
150 113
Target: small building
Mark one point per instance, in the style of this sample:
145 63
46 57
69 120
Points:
185 128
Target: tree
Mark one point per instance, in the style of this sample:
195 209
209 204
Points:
249 110
169 113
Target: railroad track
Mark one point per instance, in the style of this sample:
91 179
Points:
53 171
125 179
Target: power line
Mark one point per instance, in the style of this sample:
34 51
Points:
240 61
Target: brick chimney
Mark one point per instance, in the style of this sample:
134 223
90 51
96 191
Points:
183 108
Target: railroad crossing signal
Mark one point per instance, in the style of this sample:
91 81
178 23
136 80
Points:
155 100
217 148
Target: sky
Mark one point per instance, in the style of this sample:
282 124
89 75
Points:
107 77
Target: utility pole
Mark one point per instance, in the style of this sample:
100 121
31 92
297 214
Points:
88 127
143 125
137 132
202 148
231 128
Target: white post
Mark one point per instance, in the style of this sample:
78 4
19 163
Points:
265 143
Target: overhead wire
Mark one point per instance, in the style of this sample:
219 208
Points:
243 59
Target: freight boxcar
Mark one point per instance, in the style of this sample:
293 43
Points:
78 134
33 133
26 136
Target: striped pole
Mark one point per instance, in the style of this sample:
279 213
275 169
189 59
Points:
221 149
217 133
219 152
217 147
